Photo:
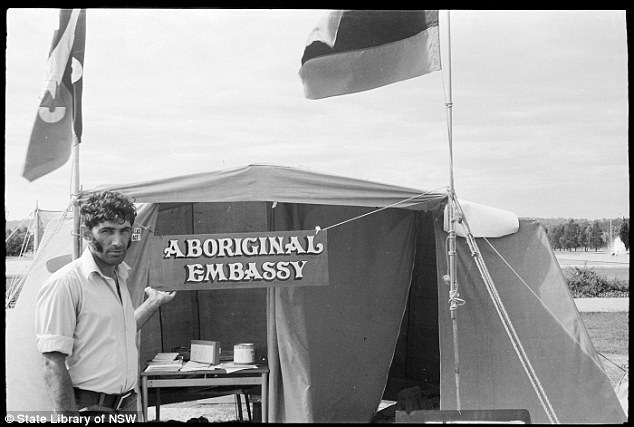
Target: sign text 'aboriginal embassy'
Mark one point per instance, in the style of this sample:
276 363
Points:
240 260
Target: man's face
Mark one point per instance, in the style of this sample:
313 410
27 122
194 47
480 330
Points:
110 241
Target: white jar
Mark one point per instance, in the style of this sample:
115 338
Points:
244 353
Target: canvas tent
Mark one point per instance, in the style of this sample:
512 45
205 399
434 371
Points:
381 324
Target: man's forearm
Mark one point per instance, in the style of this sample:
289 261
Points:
58 382
143 312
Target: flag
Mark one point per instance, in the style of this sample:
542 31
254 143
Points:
59 113
358 50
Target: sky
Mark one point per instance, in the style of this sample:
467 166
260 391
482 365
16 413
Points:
540 106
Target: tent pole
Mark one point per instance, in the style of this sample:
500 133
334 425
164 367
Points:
75 199
451 249
36 236
453 302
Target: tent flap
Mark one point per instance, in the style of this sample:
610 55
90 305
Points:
547 323
336 342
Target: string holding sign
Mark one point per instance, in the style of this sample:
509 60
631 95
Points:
318 228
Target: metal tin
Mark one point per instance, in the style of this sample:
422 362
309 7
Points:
244 353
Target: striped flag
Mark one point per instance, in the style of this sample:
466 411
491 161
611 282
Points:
59 113
358 50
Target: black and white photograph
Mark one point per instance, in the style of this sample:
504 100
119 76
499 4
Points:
316 215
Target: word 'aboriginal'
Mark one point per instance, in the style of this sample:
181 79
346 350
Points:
238 246
245 247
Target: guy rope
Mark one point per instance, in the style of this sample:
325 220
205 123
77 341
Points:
504 317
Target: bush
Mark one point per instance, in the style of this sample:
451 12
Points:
15 245
584 283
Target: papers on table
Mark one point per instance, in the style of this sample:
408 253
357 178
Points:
162 357
227 367
233 367
166 362
197 366
164 367
163 362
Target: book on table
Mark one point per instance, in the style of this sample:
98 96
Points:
165 357
164 362
191 365
224 367
170 362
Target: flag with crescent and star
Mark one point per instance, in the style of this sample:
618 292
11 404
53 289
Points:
59 115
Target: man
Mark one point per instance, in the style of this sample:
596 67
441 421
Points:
85 322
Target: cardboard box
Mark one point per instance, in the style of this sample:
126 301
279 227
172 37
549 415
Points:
205 351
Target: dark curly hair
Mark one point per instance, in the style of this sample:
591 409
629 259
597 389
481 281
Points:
106 206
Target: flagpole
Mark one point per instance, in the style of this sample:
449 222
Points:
451 250
77 84
75 199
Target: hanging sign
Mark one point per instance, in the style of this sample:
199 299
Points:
240 260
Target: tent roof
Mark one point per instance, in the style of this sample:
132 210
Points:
276 184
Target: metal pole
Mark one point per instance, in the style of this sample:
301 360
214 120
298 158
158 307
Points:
75 198
610 248
36 234
449 106
451 250
453 306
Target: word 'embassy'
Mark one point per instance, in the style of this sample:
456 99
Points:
269 246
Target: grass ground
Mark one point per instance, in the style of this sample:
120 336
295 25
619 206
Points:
609 333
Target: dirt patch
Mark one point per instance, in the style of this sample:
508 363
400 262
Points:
185 411
218 409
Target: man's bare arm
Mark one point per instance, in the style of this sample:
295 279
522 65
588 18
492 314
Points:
58 382
155 299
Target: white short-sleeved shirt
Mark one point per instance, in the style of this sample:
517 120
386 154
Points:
78 312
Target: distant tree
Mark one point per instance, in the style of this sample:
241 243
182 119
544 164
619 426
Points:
555 236
14 245
585 237
571 230
624 234
581 236
588 234
595 240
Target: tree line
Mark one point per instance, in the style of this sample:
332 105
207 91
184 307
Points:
569 234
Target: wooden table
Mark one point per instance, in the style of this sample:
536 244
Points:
246 377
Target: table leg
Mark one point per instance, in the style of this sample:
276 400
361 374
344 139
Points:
158 403
144 397
239 406
246 400
265 397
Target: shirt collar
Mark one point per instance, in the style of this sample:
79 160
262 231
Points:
88 266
